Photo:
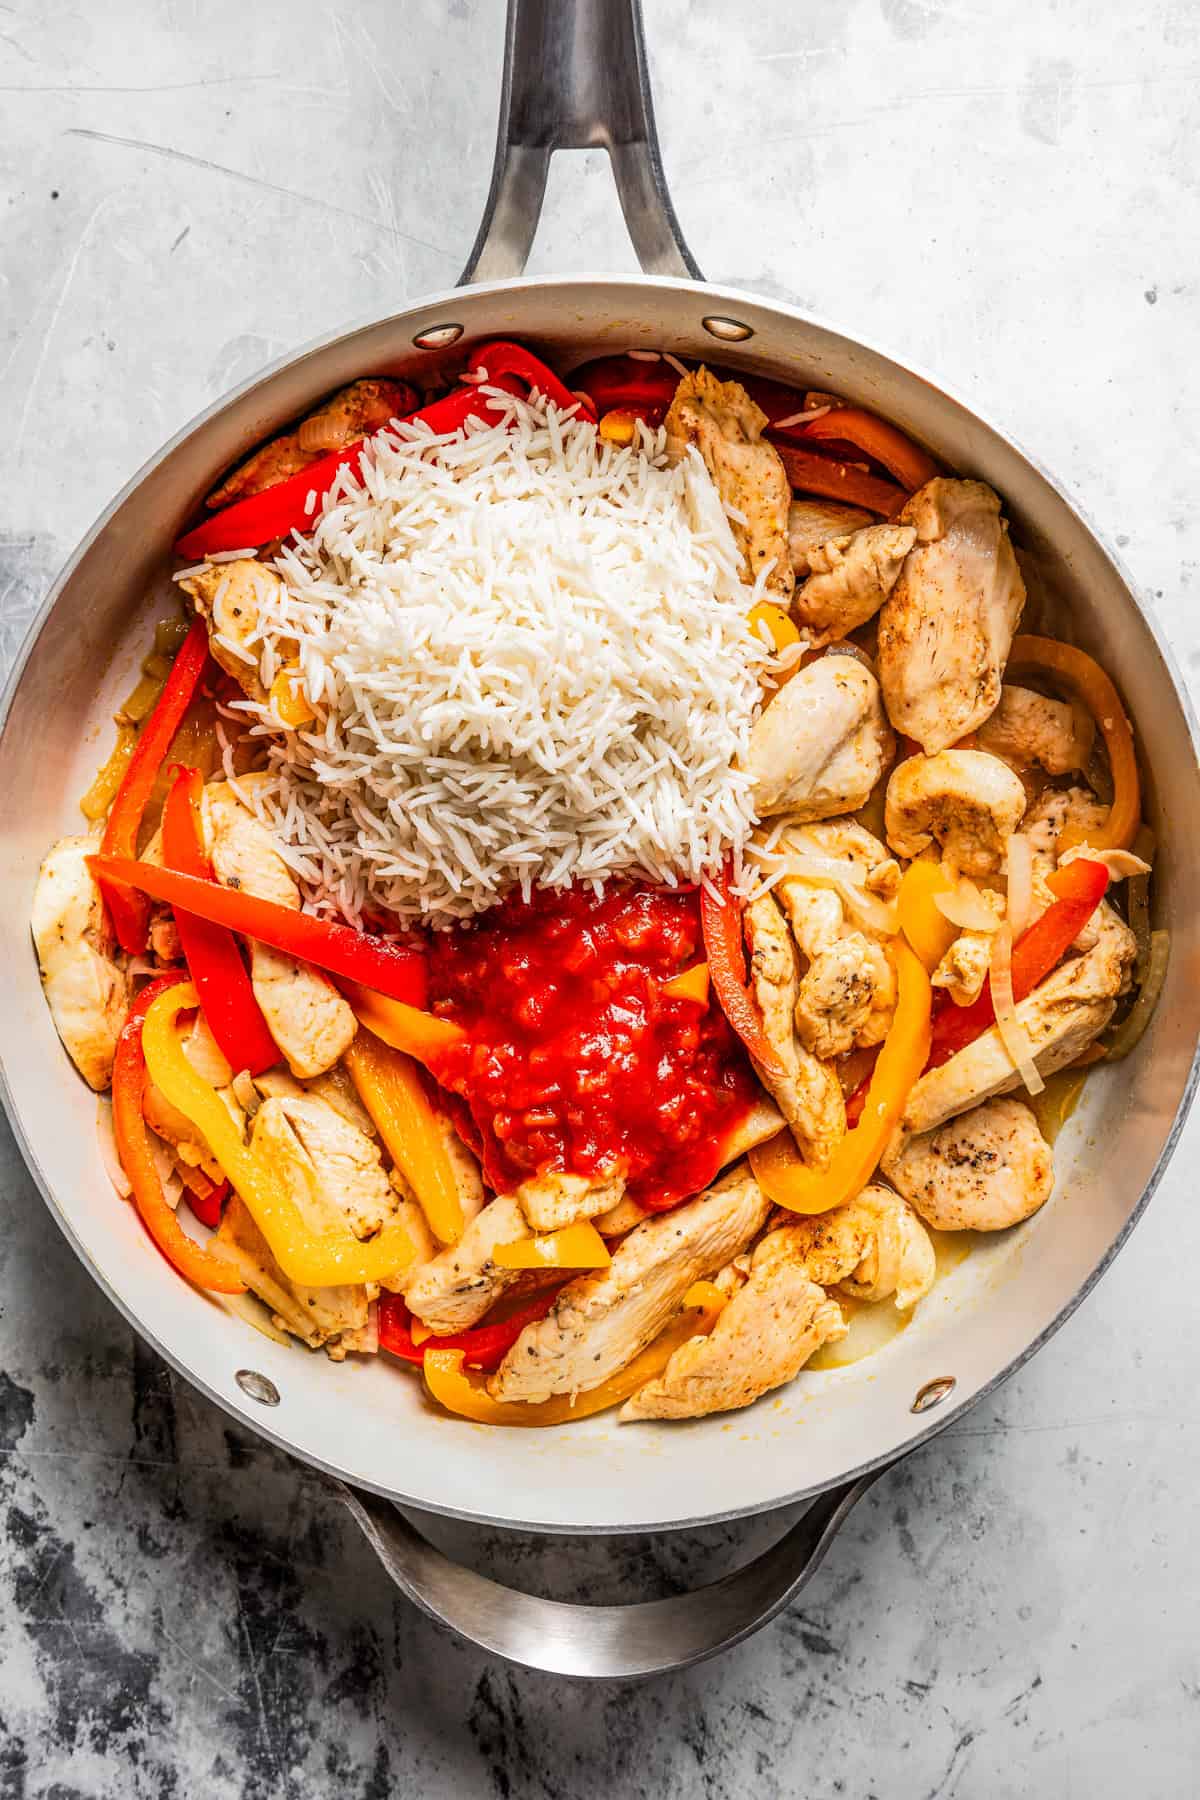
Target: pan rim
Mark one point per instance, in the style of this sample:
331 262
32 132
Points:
803 319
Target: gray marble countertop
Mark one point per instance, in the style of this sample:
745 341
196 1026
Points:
1003 192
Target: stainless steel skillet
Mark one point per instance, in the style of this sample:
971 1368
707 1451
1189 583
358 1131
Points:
575 75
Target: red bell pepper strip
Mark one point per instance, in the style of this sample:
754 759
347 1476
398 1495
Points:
129 909
882 442
278 510
206 1198
626 384
213 958
397 970
1080 887
503 358
811 473
133 1147
721 921
484 1347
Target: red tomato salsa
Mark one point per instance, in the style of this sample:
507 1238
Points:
575 1059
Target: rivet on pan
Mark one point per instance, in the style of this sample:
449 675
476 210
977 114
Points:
732 331
259 1387
438 337
933 1393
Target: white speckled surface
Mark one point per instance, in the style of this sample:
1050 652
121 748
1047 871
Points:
1004 193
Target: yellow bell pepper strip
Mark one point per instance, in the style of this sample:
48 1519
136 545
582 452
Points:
133 1146
313 1259
467 1396
390 1087
401 1026
1088 682
926 927
690 984
288 701
577 1246
395 969
780 629
776 1164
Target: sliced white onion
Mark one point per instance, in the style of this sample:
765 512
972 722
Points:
845 648
848 880
324 431
245 1093
1020 883
1013 1035
966 907
644 355
107 1139
250 1309
1120 863
800 418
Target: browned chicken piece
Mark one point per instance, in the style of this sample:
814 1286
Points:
726 427
968 801
332 1170
808 1092
964 968
847 994
1062 1016
455 1287
872 1248
553 1200
318 1316
985 1170
763 1121
823 742
850 579
353 412
84 984
1058 808
599 1322
812 523
229 597
768 1330
1029 729
308 1018
947 626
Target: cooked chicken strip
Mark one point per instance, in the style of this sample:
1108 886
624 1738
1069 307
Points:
332 1170
812 523
600 1322
1057 808
84 985
1028 728
823 742
358 410
1062 1016
871 1248
964 968
308 1018
850 580
762 1339
228 596
454 1288
808 1092
946 628
983 1171
726 427
553 1200
763 1121
970 802
315 1315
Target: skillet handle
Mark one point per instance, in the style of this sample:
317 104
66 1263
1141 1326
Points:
575 78
650 1637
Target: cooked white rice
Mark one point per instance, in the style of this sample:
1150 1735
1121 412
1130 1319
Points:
528 653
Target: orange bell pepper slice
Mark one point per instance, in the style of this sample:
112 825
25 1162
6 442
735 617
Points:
776 1164
882 442
690 984
1084 677
577 1246
811 473
926 927
401 1026
391 1088
133 1146
467 1396
782 632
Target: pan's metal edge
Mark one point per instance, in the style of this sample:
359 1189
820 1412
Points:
278 1440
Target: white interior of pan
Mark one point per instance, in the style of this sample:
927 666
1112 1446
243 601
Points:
368 1420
